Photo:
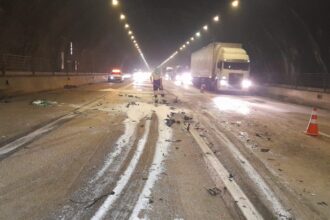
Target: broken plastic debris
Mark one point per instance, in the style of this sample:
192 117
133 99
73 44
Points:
214 191
44 103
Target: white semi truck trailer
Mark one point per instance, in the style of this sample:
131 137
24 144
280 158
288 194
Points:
221 66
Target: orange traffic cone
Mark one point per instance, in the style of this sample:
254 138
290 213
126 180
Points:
312 128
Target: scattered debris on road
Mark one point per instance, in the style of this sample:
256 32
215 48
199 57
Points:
173 141
5 101
131 103
43 103
322 203
70 87
264 150
214 191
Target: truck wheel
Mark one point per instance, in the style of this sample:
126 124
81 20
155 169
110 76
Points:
214 85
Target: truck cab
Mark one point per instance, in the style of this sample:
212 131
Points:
233 69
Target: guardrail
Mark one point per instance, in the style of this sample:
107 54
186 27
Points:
303 81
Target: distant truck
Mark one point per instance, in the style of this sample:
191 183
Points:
221 66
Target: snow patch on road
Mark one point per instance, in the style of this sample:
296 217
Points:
106 206
122 142
136 113
162 148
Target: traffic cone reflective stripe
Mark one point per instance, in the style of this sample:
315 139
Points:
312 128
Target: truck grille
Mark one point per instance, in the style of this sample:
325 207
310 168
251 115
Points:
235 80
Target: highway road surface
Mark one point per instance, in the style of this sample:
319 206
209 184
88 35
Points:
107 151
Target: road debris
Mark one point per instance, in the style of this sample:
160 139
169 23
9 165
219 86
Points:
264 150
214 191
43 103
131 103
322 203
169 122
173 141
5 101
70 87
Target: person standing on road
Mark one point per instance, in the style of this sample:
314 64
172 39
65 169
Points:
156 78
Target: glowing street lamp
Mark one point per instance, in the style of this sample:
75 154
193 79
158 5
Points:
205 27
130 33
188 43
192 38
115 3
132 37
198 34
126 26
235 3
122 17
216 18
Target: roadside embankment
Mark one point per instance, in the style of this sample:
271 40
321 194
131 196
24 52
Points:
315 97
17 83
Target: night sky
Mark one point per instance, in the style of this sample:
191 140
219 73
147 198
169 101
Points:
283 37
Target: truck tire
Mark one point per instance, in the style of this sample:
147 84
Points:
214 85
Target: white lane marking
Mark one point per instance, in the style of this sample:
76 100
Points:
10 147
107 204
278 208
325 135
220 173
162 148
120 144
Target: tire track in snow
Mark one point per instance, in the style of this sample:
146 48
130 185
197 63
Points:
108 203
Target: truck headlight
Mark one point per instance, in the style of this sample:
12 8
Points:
246 83
223 82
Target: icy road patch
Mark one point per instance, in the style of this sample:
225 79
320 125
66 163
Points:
136 113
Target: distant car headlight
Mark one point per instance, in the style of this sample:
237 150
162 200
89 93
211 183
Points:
246 83
223 82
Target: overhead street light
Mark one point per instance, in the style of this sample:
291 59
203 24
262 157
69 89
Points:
216 18
205 27
198 34
192 38
130 33
122 17
115 3
235 3
126 26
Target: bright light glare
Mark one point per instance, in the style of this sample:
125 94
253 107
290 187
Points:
116 70
130 33
183 79
223 82
140 77
192 39
115 3
235 3
232 105
198 34
205 27
126 26
246 83
216 18
122 17
127 76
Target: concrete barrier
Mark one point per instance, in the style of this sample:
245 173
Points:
305 97
17 83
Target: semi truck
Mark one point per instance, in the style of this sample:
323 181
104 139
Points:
221 66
